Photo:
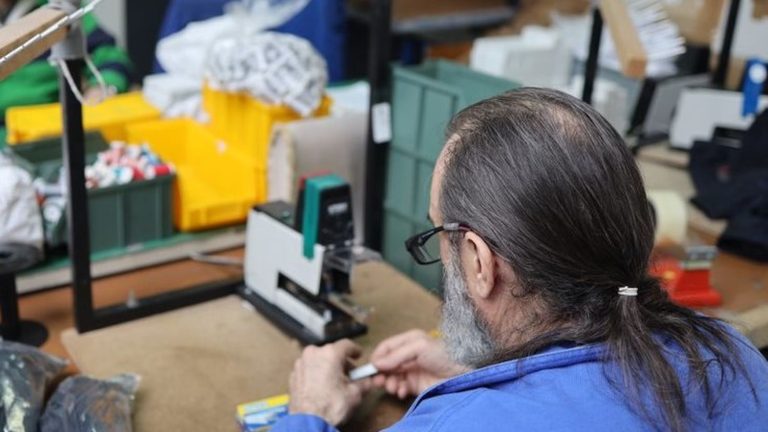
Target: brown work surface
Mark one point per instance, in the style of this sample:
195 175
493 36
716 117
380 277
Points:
199 362
54 307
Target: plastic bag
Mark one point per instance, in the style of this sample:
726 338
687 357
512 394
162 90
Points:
21 221
25 373
275 68
84 404
185 53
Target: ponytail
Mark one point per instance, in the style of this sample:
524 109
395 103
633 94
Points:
635 347
638 355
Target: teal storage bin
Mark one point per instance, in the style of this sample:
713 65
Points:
45 155
119 216
424 99
129 214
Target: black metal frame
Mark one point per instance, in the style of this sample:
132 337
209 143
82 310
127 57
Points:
718 77
724 59
379 77
12 327
590 70
87 317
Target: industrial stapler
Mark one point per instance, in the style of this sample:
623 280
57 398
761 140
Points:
298 262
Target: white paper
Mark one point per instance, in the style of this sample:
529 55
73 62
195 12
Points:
381 117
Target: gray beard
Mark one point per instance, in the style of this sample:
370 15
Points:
465 333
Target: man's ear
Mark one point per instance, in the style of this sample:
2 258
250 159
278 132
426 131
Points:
479 265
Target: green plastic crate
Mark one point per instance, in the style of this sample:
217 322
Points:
119 216
45 155
424 98
129 214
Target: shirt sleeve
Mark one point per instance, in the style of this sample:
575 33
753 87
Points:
302 422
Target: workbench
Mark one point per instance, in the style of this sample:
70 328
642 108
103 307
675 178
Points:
198 363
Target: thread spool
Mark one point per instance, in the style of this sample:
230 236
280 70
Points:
159 170
123 175
671 217
53 209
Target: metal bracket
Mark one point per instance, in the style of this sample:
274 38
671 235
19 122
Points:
73 46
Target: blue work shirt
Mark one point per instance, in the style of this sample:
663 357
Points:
566 389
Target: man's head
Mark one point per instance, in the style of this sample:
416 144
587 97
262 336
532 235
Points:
557 217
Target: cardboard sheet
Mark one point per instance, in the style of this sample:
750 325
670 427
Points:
198 363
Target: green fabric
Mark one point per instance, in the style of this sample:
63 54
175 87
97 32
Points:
37 82
313 188
34 83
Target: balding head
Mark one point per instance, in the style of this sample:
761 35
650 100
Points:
549 187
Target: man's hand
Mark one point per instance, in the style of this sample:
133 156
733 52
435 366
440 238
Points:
319 383
411 362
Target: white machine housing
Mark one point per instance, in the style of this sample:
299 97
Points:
273 248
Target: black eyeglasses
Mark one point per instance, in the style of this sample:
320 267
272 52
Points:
425 251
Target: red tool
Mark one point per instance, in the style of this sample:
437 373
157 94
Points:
687 281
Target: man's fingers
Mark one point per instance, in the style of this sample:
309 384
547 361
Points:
400 356
393 382
347 349
362 386
355 393
395 341
402 390
379 380
366 384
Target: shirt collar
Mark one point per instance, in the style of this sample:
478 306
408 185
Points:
553 357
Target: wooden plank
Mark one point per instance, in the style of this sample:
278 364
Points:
661 153
19 32
760 10
629 48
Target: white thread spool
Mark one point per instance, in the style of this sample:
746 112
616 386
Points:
671 217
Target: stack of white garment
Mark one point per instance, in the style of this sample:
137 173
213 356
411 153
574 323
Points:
275 68
21 221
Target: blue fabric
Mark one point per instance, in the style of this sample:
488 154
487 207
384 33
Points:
752 89
321 22
302 422
566 389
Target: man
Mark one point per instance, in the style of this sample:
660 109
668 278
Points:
550 320
38 82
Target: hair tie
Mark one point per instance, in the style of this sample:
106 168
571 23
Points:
628 291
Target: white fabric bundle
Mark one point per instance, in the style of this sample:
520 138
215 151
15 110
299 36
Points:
276 68
184 54
20 221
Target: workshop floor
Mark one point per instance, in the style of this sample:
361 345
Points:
54 307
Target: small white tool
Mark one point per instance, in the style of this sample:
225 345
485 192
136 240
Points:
363 372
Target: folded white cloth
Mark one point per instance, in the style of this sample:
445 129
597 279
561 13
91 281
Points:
20 220
276 68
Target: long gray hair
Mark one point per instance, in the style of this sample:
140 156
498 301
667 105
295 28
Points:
553 189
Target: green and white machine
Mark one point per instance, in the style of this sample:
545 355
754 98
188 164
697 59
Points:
298 262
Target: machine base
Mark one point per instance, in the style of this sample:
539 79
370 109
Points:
293 328
30 333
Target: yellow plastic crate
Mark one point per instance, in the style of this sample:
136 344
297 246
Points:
246 123
216 183
110 117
